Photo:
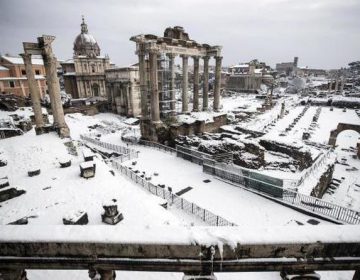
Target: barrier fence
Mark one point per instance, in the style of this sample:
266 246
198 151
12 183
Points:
255 181
179 202
250 180
157 146
109 146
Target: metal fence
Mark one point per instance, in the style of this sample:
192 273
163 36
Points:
309 203
179 202
318 162
251 180
191 155
109 146
246 177
157 146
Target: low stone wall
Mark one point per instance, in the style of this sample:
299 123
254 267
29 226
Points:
167 134
304 158
323 183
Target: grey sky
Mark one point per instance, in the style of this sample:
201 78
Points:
323 33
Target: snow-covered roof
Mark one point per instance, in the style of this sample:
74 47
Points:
68 61
19 60
2 68
244 65
37 77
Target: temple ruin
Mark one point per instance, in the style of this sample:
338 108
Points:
43 48
156 55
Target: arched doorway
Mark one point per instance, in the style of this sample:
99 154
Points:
341 127
95 90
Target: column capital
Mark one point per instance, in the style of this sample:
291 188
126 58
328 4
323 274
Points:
218 57
184 56
195 57
26 57
171 55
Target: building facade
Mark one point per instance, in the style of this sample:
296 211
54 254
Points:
13 76
84 75
123 90
248 77
289 68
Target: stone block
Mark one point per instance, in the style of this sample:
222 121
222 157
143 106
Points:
77 218
111 215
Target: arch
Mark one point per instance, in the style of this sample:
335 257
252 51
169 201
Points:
341 127
95 89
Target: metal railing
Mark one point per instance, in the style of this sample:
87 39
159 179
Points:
255 181
309 203
109 146
157 146
179 202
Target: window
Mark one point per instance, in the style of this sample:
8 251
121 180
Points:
11 84
93 68
85 67
37 72
23 72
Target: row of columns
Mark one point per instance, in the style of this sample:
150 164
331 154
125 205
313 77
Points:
154 90
337 85
52 80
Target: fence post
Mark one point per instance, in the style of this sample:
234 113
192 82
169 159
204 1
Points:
156 187
192 208
182 203
204 214
217 221
164 193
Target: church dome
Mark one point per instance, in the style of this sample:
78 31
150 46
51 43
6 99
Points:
85 44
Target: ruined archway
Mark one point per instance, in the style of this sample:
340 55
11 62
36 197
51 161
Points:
341 127
95 90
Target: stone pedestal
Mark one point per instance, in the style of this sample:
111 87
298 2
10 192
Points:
111 215
101 274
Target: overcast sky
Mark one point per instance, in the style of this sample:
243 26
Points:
322 33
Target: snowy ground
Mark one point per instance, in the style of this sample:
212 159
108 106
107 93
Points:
57 192
348 193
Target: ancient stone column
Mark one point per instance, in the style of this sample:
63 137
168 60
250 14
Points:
172 83
206 83
196 84
216 105
53 84
54 93
34 93
143 89
342 85
155 110
185 101
336 84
